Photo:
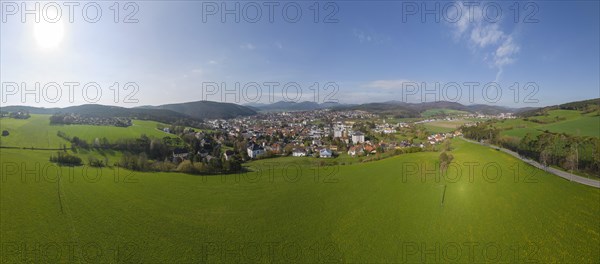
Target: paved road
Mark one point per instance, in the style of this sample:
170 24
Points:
563 174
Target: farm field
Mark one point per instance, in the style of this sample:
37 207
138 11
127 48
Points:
583 126
574 123
335 132
402 120
442 111
37 132
283 212
444 126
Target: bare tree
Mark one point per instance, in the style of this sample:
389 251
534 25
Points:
446 145
445 160
545 156
571 159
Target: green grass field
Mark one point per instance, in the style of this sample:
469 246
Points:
442 111
583 126
37 132
444 126
376 212
393 120
570 121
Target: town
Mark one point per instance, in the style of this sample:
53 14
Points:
320 133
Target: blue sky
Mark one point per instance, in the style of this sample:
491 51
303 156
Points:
373 53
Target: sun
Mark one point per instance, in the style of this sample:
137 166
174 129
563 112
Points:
48 35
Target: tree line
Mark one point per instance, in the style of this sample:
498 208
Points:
569 152
203 155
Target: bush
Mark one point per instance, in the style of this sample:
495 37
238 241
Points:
185 166
64 158
163 166
94 162
199 167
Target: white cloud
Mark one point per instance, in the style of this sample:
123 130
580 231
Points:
504 55
465 18
212 62
367 37
389 84
278 45
498 47
197 71
484 35
362 36
248 46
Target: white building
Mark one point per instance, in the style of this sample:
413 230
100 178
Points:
325 153
299 153
358 137
254 150
337 133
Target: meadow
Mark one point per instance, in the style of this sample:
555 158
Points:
442 111
444 126
557 121
287 210
37 132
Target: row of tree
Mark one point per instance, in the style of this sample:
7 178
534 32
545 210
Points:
566 151
64 158
196 165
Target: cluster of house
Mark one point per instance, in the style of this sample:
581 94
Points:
316 146
388 128
470 115
302 126
72 118
362 149
439 137
204 149
299 127
15 115
359 147
344 131
323 152
254 150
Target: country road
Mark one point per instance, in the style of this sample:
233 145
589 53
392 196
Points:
560 173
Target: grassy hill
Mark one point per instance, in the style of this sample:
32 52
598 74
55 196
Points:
206 109
95 110
191 113
387 109
368 214
293 106
444 126
573 122
400 109
587 106
37 132
442 112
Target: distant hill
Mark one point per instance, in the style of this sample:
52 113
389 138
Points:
402 109
580 105
95 110
206 109
491 109
585 106
394 108
30 109
386 108
292 106
169 113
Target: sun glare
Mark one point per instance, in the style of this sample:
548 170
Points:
48 35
